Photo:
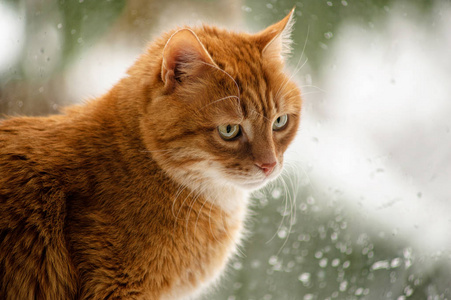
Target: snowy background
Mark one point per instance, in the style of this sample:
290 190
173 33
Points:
363 210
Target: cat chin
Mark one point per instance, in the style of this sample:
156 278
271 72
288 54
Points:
258 184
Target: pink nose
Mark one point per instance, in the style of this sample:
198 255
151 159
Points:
267 168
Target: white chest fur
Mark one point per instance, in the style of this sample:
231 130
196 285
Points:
233 203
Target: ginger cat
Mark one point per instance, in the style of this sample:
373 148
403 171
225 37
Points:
142 193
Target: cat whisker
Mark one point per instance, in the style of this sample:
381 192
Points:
297 68
260 114
209 221
179 191
234 81
212 204
303 52
230 76
305 43
312 86
238 249
287 200
195 198
299 166
288 80
181 206
292 198
199 213
309 93
221 99
282 221
296 166
177 194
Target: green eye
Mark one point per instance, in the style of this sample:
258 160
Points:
280 122
229 131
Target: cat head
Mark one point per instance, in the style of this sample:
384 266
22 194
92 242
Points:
221 109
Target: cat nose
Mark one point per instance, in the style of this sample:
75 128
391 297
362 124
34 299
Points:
267 168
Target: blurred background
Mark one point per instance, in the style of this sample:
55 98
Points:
363 210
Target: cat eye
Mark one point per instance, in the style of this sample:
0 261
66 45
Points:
229 132
280 122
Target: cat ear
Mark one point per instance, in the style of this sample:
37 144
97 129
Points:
183 56
275 41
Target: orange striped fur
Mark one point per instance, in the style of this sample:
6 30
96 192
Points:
136 194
